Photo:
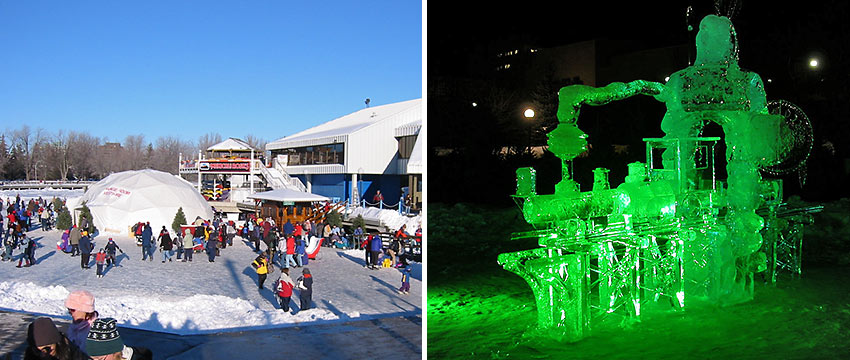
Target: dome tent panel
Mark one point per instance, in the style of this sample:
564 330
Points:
123 199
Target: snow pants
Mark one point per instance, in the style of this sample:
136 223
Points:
306 298
284 303
7 254
187 254
261 279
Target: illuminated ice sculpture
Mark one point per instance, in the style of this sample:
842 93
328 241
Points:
671 233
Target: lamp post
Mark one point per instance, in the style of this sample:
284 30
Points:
529 115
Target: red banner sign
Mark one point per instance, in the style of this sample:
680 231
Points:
228 166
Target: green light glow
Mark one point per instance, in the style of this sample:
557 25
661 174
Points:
661 235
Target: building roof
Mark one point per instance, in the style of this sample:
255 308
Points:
411 128
232 144
338 129
288 195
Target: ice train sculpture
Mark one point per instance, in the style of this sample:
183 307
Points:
672 233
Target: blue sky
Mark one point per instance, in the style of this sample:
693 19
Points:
187 68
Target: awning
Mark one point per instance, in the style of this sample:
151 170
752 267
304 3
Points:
232 144
288 195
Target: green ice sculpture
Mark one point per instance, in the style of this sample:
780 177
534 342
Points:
671 233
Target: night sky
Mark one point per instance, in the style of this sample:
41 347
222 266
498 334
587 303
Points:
776 40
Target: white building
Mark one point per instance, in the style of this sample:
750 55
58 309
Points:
351 157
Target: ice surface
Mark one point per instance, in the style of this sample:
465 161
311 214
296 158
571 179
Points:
200 297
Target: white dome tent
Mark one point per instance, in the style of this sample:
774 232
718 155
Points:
123 199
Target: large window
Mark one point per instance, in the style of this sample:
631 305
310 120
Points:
316 155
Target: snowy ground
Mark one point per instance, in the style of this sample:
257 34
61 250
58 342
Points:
477 310
201 297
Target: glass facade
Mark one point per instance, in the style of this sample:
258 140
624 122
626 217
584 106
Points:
316 155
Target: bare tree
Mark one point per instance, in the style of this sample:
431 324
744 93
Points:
86 159
27 141
4 154
208 140
134 152
61 153
257 143
167 152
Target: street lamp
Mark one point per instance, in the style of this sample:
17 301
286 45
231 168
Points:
529 113
813 63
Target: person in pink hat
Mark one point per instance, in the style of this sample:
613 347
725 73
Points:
80 305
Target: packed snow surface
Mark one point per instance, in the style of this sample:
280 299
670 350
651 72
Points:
200 296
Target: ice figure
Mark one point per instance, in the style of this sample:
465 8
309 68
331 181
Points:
669 233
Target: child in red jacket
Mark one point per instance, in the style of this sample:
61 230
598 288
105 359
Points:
284 289
100 259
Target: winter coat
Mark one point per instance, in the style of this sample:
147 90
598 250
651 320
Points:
307 282
178 242
266 228
290 246
147 236
30 249
85 245
199 232
376 243
165 240
288 228
75 235
261 264
77 332
395 245
100 258
299 246
285 285
111 246
211 245
74 352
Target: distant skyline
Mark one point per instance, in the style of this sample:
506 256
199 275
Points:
188 68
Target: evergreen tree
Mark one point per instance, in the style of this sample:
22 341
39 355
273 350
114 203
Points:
63 221
85 212
179 219
58 204
334 218
359 222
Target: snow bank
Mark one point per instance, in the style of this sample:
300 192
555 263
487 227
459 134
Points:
391 218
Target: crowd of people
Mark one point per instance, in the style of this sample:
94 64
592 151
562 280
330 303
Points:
282 245
18 221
